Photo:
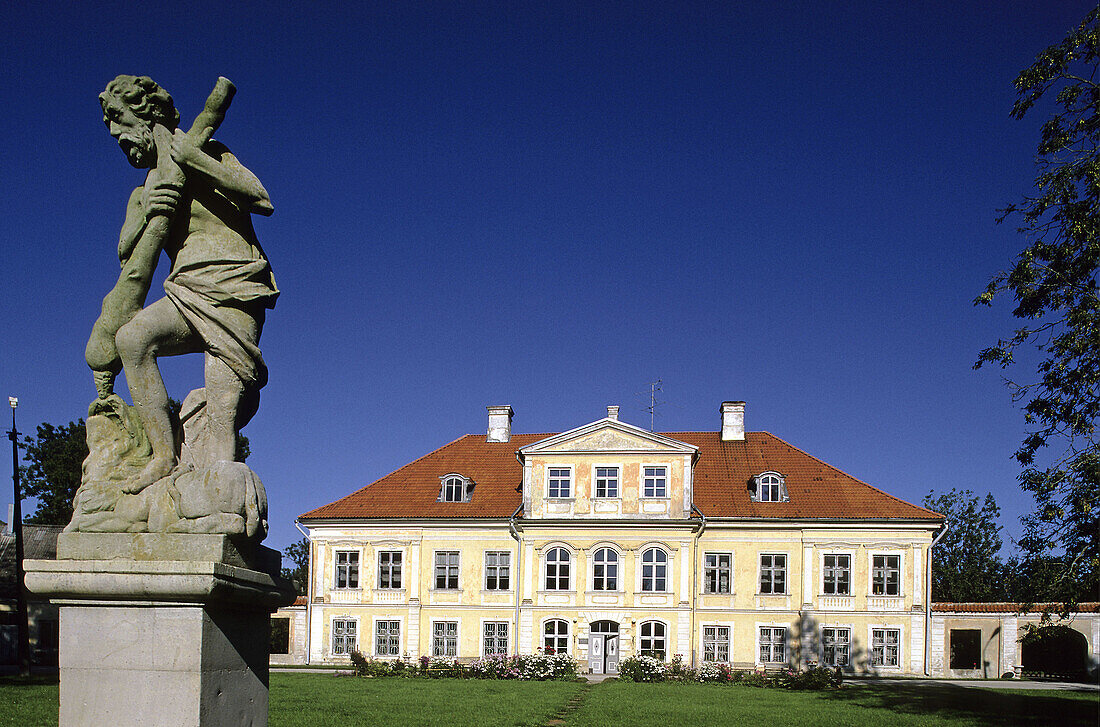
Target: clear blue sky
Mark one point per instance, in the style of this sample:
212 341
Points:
550 205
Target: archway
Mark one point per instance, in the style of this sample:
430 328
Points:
603 647
1056 651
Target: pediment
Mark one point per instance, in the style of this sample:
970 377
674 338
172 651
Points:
609 435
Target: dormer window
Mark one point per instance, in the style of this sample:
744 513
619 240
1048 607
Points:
770 487
456 488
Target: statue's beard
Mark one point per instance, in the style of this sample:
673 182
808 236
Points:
140 149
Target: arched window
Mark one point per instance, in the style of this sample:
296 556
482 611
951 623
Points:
653 640
770 487
555 636
557 569
605 570
455 488
654 570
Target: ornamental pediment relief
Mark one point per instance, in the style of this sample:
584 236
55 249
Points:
607 439
609 436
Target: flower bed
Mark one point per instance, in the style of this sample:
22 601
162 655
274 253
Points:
535 667
649 669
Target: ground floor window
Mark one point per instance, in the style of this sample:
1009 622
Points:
387 638
279 642
836 644
495 638
716 643
653 640
555 637
445 638
343 636
966 648
884 647
773 644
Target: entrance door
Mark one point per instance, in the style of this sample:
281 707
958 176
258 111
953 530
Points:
603 647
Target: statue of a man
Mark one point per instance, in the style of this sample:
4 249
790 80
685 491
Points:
196 205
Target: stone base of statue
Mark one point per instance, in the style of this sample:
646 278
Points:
162 629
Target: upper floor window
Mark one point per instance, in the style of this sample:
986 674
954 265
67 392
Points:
837 573
773 573
497 570
605 570
885 575
717 571
770 487
347 569
560 482
654 481
389 569
653 640
446 569
557 569
456 488
607 482
654 570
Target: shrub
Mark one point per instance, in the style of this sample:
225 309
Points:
637 668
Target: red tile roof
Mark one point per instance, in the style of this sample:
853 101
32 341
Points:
1002 607
722 474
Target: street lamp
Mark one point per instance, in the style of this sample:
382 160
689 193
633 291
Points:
17 528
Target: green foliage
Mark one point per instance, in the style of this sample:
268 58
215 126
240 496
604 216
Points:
1054 284
298 554
51 473
966 563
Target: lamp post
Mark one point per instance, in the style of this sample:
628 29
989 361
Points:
17 528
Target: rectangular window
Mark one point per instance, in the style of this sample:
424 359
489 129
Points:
389 569
773 644
387 638
653 482
838 575
884 647
966 648
560 482
278 643
446 569
717 569
445 638
347 569
607 482
495 638
343 636
497 569
716 643
885 575
773 573
835 645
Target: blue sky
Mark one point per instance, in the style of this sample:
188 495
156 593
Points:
551 205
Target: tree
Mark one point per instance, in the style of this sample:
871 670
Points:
1054 284
966 563
52 471
298 554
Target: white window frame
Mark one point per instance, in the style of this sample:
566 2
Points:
666 566
618 481
557 637
847 645
780 486
667 481
354 635
570 573
618 565
391 567
572 482
378 621
465 483
665 632
457 637
448 566
719 568
496 623
717 642
348 568
506 567
786 573
900 555
871 646
786 628
851 580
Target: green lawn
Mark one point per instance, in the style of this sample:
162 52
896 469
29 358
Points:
324 700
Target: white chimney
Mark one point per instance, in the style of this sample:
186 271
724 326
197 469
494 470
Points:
613 413
733 420
500 423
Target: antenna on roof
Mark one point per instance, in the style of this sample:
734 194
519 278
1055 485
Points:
654 387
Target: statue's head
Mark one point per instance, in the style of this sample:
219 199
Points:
131 106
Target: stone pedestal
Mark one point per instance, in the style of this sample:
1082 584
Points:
161 629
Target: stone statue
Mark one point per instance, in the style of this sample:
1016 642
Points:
148 471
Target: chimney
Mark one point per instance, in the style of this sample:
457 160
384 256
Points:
613 413
733 421
500 423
